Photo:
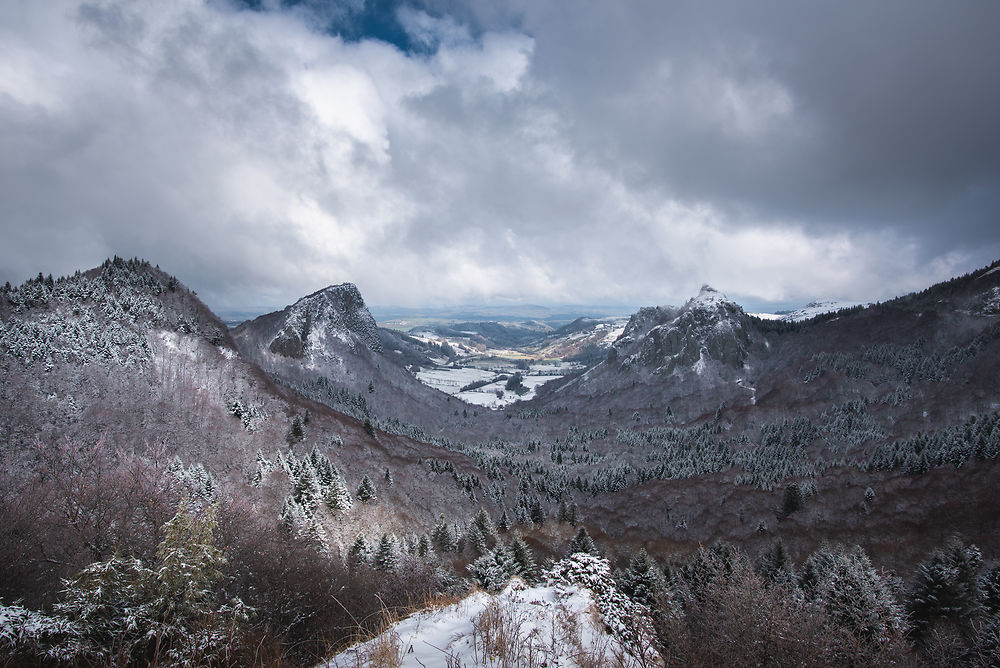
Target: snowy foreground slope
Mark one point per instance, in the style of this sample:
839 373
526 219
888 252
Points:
564 622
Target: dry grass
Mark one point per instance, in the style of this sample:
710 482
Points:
496 632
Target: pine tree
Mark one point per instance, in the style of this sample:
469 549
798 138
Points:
947 585
366 491
853 594
504 523
359 553
484 523
388 478
387 554
524 562
305 486
475 541
295 431
582 542
263 467
537 513
776 566
124 613
423 545
989 585
494 569
336 496
443 537
643 580
110 604
573 516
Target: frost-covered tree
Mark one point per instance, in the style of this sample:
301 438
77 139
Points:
503 524
443 537
484 523
388 478
776 565
947 586
423 545
642 581
494 569
366 491
793 500
524 561
296 431
306 489
294 519
123 612
360 552
582 542
476 541
853 594
110 606
336 494
386 557
262 467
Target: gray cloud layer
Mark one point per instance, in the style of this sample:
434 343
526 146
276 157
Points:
558 151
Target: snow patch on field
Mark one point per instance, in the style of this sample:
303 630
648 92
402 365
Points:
813 309
555 625
493 395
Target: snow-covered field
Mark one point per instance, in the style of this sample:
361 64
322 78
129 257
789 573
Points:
810 310
493 395
554 625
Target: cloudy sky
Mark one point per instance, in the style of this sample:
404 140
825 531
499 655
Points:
503 151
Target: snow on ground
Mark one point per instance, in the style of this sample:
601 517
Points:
451 380
493 395
813 309
555 625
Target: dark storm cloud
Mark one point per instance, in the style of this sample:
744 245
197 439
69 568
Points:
456 151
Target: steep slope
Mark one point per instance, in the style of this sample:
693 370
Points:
690 358
328 346
126 357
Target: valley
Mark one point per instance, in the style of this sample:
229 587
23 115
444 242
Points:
421 462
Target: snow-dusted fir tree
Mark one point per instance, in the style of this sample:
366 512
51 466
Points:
947 586
336 494
443 537
853 594
386 557
295 520
366 491
261 469
305 486
582 542
642 581
494 569
360 552
776 565
423 545
524 561
475 541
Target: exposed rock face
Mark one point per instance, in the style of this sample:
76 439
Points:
707 327
337 312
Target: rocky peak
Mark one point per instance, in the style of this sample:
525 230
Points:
708 327
337 312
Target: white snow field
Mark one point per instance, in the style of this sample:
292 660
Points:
553 625
493 395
